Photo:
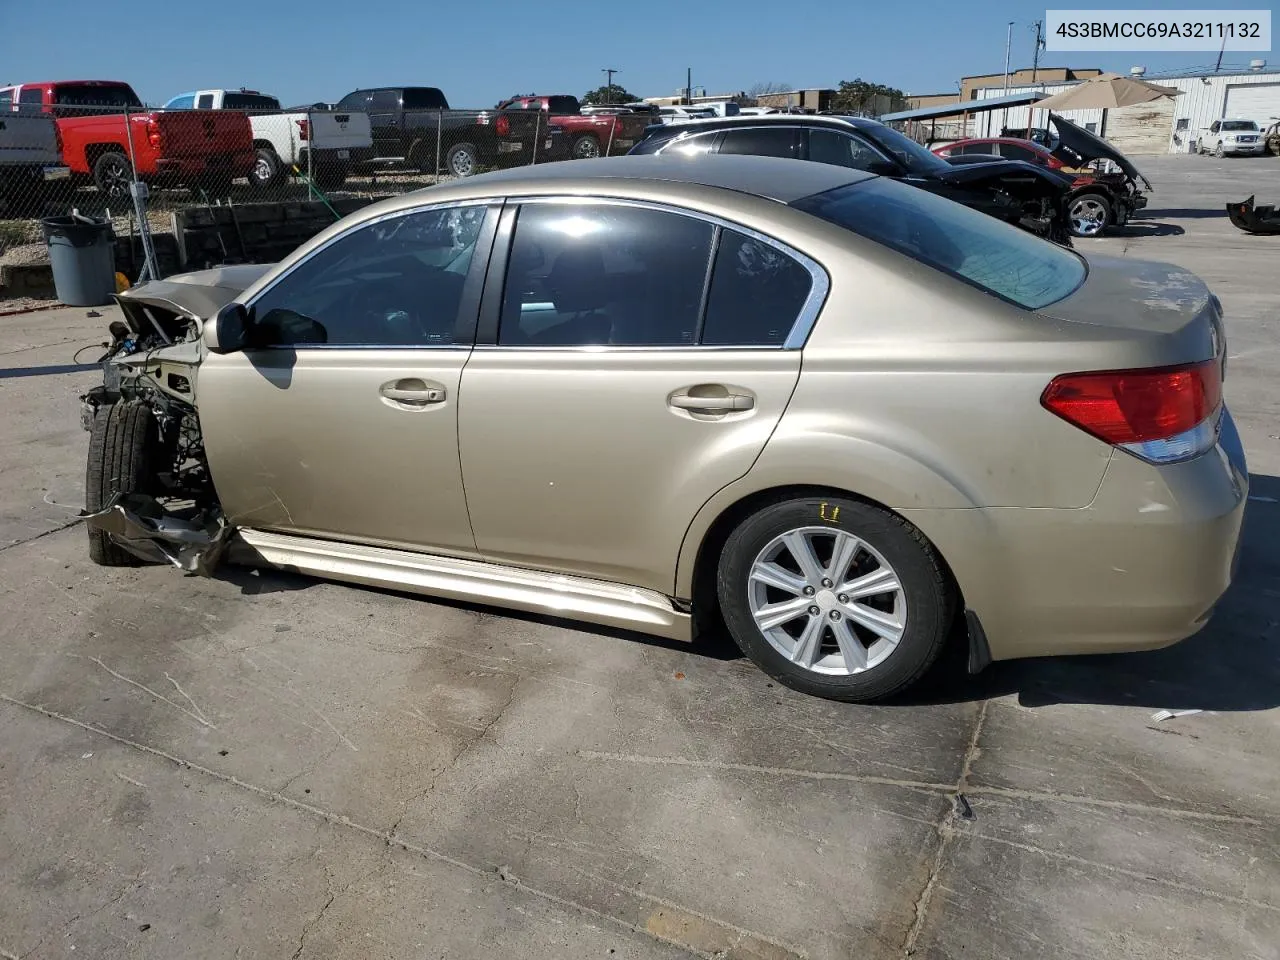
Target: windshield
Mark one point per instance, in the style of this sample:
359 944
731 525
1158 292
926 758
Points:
249 101
916 158
976 248
96 95
1240 125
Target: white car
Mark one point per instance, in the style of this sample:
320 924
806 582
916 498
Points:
1232 137
334 140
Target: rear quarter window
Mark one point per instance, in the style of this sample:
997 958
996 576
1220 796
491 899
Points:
980 250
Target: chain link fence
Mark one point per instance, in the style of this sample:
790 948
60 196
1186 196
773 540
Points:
150 170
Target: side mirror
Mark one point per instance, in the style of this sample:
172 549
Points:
228 330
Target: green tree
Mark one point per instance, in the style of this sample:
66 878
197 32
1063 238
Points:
863 96
613 93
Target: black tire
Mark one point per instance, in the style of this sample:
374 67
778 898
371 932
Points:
112 174
462 160
586 147
929 596
1099 202
268 170
123 448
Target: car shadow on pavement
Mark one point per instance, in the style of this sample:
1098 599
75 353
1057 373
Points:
1232 665
1147 228
1184 213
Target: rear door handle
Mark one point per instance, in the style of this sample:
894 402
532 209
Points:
413 392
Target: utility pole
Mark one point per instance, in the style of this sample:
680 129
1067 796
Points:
688 85
608 87
1221 51
1035 58
1008 42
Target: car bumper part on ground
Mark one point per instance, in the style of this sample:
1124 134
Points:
1141 567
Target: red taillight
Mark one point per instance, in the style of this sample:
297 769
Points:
304 128
502 125
1132 408
153 133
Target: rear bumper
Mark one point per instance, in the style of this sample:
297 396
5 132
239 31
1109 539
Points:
1141 567
237 164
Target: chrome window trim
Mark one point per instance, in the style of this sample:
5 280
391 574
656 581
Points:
355 227
800 328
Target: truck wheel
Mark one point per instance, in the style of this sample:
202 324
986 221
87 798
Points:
1217 151
123 448
267 169
1089 215
462 160
586 147
112 174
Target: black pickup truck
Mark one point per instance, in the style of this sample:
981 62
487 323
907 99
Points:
416 127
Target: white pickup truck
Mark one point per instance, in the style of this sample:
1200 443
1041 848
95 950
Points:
1231 137
335 140
30 160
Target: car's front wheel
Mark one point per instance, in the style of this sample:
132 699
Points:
834 597
1089 215
124 448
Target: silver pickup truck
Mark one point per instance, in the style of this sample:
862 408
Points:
30 160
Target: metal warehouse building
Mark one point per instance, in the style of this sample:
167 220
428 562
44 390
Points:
1165 126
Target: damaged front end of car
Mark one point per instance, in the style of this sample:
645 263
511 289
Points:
149 492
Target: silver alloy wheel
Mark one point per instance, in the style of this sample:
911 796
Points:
116 177
462 163
1088 217
263 170
586 148
827 600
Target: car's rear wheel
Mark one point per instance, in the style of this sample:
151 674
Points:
834 597
462 160
112 174
1089 215
267 170
124 444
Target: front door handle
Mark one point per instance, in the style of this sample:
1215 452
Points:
712 401
413 392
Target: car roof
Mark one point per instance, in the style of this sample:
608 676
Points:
772 178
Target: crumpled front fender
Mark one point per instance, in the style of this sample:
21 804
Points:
141 525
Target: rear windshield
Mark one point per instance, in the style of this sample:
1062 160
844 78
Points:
1239 125
96 95
249 101
976 248
424 98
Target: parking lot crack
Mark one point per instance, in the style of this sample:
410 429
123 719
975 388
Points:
945 829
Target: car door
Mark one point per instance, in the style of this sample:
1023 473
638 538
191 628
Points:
342 420
632 360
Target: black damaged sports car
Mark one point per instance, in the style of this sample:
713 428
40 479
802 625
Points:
1023 194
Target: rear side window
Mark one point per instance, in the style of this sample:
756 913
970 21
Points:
384 100
581 275
564 105
1014 152
31 98
757 292
978 149
6 97
762 142
976 248
205 101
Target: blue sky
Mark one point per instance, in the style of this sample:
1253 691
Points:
479 51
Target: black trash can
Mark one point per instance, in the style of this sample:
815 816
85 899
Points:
82 253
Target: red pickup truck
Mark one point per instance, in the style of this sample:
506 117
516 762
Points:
588 136
97 119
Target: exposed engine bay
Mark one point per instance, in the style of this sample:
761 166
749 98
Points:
150 373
